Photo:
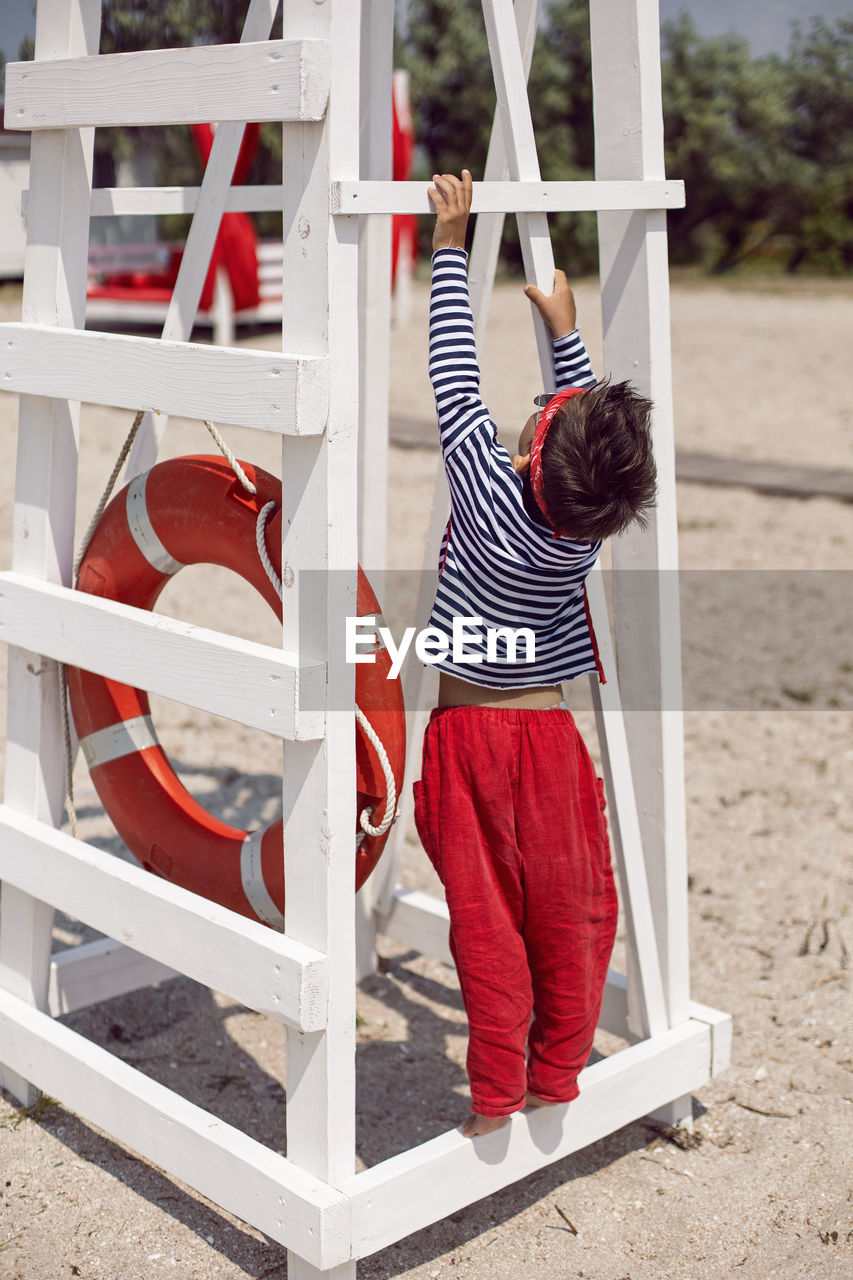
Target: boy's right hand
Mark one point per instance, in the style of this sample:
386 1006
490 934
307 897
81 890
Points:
451 199
557 309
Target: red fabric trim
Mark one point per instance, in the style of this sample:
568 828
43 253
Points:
599 668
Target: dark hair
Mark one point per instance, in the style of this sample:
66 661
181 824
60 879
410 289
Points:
598 470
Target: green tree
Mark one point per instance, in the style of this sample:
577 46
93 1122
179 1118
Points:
453 99
821 80
728 121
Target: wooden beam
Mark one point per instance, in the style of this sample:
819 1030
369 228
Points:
510 197
260 80
45 490
233 1170
417 1187
100 970
262 688
288 394
261 968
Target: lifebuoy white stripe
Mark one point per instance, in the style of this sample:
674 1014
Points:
142 530
253 881
117 740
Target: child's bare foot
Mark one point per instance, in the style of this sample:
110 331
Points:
476 1125
531 1100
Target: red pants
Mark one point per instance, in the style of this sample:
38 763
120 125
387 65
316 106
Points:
511 815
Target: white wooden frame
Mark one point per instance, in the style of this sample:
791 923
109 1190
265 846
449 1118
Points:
313 1202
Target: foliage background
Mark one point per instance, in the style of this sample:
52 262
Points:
764 144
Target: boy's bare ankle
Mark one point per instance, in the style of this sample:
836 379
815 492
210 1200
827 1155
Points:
532 1100
476 1125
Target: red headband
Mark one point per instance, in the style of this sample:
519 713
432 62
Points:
546 417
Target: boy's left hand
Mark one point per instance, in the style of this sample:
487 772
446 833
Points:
451 199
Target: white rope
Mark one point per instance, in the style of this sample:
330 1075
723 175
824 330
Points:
66 735
390 784
260 527
235 465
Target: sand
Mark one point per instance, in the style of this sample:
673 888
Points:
763 1189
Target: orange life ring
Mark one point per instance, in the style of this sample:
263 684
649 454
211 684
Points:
193 510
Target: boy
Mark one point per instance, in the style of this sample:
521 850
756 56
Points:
509 808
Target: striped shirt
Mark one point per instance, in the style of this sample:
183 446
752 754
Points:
498 568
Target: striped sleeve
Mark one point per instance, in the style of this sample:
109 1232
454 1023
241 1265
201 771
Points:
571 363
453 368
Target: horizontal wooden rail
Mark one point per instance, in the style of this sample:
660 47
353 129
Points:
252 684
106 202
288 394
93 971
246 1178
511 197
262 80
261 968
423 1185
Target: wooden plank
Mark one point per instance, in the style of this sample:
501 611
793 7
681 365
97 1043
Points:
513 110
261 968
418 1187
284 393
200 243
320 531
258 80
721 1034
510 197
253 684
649 1015
107 202
635 305
232 1169
421 921
99 970
45 490
778 478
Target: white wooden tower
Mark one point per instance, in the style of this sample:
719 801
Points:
336 209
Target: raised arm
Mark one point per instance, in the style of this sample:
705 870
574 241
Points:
571 362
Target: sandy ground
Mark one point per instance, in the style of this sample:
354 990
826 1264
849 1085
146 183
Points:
764 1187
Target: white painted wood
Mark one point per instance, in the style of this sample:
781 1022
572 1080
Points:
513 111
319 528
375 196
261 968
635 306
43 531
420 921
265 80
251 683
99 970
408 1191
195 260
245 1177
527 196
721 1034
648 1015
283 393
107 202
377 46
374 306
